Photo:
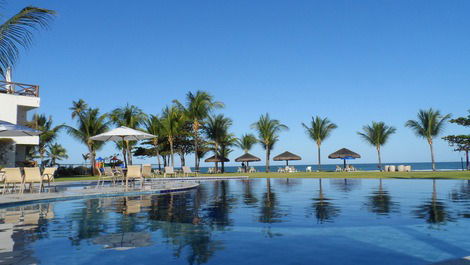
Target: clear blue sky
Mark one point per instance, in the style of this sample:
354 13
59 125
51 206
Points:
353 61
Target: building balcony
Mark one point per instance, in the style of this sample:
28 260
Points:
19 89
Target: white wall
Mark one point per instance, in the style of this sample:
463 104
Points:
14 108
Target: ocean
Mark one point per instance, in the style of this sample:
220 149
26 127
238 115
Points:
421 166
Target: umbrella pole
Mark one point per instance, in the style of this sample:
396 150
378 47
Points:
344 167
246 166
287 163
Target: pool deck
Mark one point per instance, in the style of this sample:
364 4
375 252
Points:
89 190
67 190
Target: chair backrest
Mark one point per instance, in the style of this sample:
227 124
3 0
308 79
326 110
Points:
134 172
169 170
49 171
108 171
120 171
187 170
32 174
13 175
147 171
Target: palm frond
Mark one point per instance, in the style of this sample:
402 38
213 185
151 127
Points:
17 32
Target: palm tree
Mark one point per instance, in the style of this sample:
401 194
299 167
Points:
90 123
198 107
154 126
56 152
216 129
17 32
172 123
132 117
377 135
48 132
268 134
430 124
77 107
318 131
246 142
227 141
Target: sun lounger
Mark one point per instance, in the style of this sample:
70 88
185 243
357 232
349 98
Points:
147 171
308 169
48 175
32 175
134 173
12 176
187 171
107 174
169 171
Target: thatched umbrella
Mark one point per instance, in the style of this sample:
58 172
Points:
286 156
216 160
344 154
247 158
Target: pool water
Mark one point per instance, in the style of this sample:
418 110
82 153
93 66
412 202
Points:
261 221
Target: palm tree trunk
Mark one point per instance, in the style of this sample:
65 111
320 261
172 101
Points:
129 153
380 159
267 160
92 160
124 157
467 161
196 160
432 155
171 152
183 161
319 159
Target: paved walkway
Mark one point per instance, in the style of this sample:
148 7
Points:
88 189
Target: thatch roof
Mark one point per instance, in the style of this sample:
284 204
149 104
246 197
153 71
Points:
217 159
344 153
286 156
247 158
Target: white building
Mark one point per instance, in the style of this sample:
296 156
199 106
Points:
16 100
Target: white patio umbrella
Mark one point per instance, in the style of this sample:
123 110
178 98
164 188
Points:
8 129
122 134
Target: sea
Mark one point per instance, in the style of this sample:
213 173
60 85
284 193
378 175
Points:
417 166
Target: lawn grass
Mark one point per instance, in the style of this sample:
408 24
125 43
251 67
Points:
406 175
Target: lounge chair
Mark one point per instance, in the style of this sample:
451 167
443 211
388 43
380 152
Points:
107 174
169 171
338 169
12 176
308 169
281 170
240 170
147 171
134 173
252 170
32 175
48 175
187 171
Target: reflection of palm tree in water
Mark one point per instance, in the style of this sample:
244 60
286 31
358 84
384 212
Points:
325 211
380 202
217 213
269 211
345 185
433 211
248 197
462 195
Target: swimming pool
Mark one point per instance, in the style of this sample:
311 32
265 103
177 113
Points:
260 221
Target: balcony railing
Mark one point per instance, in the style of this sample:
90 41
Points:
19 89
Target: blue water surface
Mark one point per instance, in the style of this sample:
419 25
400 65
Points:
260 221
